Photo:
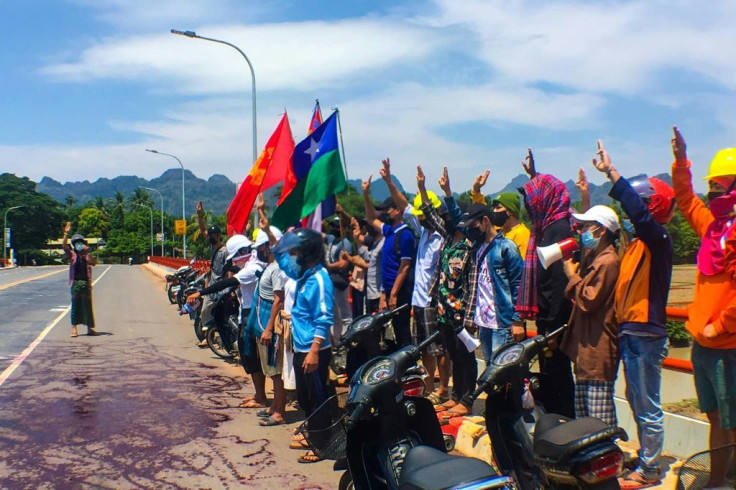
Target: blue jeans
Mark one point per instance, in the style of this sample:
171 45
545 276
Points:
642 358
491 339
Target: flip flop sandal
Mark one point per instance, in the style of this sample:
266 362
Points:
437 399
308 458
270 422
299 445
634 481
252 404
263 414
449 414
74 332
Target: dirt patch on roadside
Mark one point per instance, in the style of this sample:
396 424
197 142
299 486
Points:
687 408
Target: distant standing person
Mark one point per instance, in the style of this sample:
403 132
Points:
80 280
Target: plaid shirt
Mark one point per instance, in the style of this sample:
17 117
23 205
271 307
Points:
448 249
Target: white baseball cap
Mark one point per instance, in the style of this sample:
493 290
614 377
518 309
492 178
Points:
603 215
262 237
235 243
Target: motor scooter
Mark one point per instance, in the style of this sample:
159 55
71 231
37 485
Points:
394 441
543 450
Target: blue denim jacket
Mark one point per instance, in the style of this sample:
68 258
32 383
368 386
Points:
505 264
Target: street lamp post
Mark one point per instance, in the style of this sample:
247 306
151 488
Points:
5 234
193 35
183 211
163 236
151 210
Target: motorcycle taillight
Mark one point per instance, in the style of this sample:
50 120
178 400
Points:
609 465
413 387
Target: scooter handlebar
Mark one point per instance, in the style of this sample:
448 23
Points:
357 414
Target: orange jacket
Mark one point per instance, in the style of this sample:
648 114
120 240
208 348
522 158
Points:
715 296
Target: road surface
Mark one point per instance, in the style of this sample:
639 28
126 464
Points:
138 406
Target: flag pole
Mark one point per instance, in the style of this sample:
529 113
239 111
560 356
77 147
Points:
342 144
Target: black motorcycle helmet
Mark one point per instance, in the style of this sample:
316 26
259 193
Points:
308 244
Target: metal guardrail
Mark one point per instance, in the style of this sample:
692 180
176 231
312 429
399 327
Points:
175 263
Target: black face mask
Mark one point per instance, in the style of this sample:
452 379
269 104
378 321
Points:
476 235
499 218
368 241
425 224
450 227
385 217
212 239
714 195
262 255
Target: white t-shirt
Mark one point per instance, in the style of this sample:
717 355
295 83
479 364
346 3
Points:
428 255
248 278
485 306
289 293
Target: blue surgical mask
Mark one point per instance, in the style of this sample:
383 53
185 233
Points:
79 246
628 226
288 264
589 241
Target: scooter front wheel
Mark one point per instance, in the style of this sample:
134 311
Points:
346 482
171 294
216 344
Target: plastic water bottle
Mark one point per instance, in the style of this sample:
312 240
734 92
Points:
187 308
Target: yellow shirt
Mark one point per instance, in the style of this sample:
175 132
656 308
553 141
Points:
519 234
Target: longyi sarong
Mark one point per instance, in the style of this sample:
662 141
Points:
82 313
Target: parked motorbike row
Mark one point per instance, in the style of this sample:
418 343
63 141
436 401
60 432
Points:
385 434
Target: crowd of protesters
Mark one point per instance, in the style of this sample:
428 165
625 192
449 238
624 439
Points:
475 271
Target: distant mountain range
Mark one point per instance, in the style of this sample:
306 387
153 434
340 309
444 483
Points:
217 191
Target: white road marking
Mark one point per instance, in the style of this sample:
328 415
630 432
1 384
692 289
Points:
27 351
59 308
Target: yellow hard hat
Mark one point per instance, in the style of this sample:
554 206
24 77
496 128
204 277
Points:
723 164
418 203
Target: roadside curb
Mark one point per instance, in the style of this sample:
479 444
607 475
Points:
159 270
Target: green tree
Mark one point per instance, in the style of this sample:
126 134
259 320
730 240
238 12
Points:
38 221
685 241
93 222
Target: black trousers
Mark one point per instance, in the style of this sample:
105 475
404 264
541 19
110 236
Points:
358 304
312 390
464 366
371 305
402 320
558 384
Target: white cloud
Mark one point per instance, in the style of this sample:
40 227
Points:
601 46
293 56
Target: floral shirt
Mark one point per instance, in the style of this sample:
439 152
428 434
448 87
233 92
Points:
450 306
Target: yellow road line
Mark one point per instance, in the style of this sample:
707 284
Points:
10 285
27 351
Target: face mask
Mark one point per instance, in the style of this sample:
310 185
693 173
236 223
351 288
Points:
385 218
425 224
628 226
262 255
239 259
450 227
714 195
288 264
79 247
589 241
476 235
498 218
368 241
212 239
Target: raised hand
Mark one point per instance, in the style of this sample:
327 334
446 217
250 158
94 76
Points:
200 208
444 182
365 186
679 147
260 202
582 183
603 163
421 179
386 170
68 227
480 181
528 164
338 208
263 222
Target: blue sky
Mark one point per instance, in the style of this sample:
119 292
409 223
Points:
87 85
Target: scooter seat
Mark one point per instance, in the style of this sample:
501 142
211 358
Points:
428 468
557 437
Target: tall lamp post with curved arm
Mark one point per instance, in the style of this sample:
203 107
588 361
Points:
163 235
193 35
183 211
5 234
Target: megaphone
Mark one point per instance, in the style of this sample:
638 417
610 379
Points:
561 250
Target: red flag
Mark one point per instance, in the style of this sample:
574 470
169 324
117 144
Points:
314 220
270 169
316 118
